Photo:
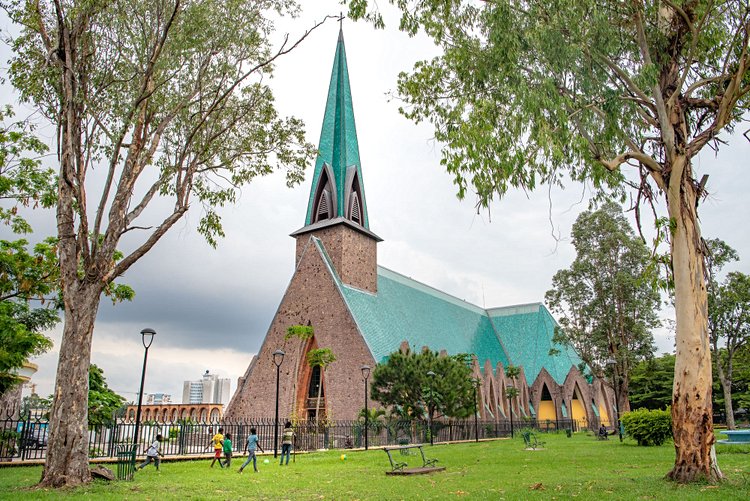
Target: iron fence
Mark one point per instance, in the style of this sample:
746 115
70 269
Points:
26 438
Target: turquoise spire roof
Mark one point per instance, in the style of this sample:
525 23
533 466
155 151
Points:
338 149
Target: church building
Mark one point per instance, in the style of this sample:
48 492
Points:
363 312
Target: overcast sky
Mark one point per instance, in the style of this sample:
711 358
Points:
212 308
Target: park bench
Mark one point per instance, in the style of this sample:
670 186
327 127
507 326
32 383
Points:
738 437
399 467
531 442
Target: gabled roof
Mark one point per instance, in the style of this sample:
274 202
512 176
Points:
526 331
407 310
338 147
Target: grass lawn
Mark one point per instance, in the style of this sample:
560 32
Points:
578 467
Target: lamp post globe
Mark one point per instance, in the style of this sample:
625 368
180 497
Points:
147 337
365 375
278 358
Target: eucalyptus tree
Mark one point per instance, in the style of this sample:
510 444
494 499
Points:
726 316
158 106
729 321
621 95
606 301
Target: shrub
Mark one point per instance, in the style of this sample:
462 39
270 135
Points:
174 432
648 427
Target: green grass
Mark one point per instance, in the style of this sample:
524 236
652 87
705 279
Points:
578 467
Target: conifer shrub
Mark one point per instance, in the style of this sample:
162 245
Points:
648 427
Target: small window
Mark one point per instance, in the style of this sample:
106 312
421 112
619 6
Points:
355 214
324 210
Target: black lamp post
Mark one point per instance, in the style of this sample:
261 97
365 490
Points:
476 411
612 362
147 337
278 357
366 374
429 409
511 391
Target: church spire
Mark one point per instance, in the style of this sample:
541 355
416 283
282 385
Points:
337 188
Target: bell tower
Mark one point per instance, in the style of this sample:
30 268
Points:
337 207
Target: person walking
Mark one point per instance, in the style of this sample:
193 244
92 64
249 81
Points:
227 450
152 454
286 442
252 444
218 442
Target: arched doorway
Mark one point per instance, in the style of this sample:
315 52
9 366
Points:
546 406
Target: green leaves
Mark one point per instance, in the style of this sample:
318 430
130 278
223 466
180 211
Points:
103 402
403 382
606 301
648 428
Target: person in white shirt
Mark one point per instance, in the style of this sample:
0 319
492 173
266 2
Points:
152 454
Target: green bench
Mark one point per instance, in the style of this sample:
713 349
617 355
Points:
400 465
531 442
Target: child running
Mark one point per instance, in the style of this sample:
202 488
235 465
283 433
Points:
217 441
152 454
227 450
252 444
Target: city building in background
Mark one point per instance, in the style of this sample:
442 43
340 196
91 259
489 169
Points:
158 398
210 389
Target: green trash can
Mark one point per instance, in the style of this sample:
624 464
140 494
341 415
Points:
568 433
126 461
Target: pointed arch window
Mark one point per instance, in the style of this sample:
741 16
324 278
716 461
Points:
325 197
324 204
355 210
312 391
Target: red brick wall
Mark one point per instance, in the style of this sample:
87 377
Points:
311 297
354 254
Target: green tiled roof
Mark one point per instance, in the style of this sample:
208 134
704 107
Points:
406 310
526 332
338 146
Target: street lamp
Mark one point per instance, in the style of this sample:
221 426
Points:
147 337
432 402
612 362
278 357
475 382
511 392
366 374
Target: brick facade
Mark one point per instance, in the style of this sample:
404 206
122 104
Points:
312 297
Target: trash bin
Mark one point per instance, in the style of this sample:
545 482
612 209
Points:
568 433
126 461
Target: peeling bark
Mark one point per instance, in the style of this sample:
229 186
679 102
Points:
692 415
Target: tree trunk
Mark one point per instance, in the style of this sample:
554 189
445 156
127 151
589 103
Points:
317 403
692 416
67 462
726 386
624 402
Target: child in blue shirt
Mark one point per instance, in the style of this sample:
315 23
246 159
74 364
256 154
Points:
252 444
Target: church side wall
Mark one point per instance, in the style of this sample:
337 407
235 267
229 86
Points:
312 297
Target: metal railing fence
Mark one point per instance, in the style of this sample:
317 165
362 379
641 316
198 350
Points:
26 438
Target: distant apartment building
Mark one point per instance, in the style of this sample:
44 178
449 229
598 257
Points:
210 389
158 398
